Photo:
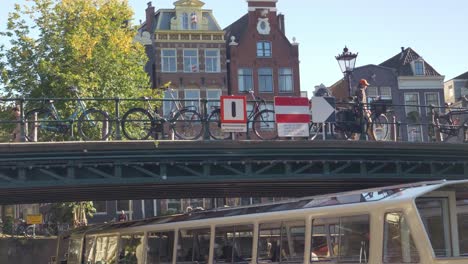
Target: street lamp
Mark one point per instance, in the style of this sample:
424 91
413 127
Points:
347 61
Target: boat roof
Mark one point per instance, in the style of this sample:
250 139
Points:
396 192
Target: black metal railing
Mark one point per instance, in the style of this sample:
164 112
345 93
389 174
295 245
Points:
72 119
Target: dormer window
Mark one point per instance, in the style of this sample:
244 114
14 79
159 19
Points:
185 21
263 49
418 68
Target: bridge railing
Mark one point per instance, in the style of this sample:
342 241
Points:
414 123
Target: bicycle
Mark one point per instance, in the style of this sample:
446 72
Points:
45 122
141 123
450 124
349 121
261 118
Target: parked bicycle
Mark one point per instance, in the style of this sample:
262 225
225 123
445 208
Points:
348 122
23 229
46 122
141 123
261 119
451 125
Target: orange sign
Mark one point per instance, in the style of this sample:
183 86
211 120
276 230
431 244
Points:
34 219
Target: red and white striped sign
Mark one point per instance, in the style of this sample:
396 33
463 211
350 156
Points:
292 116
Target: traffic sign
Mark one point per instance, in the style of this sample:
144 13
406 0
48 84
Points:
292 116
35 219
234 113
323 109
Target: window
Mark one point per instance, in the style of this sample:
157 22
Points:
100 206
213 95
192 97
194 246
434 214
373 93
412 107
344 239
245 79
263 49
169 104
123 205
185 21
160 247
398 242
173 206
265 80
106 249
74 250
169 60
415 133
419 68
462 217
285 80
233 244
190 60
131 249
431 99
386 93
281 242
212 60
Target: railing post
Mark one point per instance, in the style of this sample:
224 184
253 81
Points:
398 130
395 128
118 136
465 129
204 114
22 123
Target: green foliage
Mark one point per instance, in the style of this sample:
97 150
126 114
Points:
65 212
55 44
8 225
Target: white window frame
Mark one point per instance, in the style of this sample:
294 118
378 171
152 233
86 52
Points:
130 207
428 110
194 102
263 55
163 68
416 73
190 58
239 80
185 21
407 107
216 59
285 77
169 106
272 80
210 97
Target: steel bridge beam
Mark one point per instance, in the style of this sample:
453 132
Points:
71 171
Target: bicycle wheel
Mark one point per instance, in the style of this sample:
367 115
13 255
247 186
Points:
187 124
137 124
264 125
380 128
214 126
315 129
40 124
94 124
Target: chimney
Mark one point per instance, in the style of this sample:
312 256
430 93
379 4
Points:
402 52
262 4
281 23
149 17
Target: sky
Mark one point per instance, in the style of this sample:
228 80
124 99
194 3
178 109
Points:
376 30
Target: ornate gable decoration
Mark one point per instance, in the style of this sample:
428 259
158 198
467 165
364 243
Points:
189 3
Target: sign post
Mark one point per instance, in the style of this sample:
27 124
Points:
233 113
34 220
292 116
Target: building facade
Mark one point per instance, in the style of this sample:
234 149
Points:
260 57
456 88
188 49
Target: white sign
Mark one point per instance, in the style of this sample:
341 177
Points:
233 113
292 116
323 109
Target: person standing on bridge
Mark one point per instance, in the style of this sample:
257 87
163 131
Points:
363 112
123 216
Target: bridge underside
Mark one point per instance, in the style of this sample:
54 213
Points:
74 171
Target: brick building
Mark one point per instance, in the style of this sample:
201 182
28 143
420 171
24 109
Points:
260 57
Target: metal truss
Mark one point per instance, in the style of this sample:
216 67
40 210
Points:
105 171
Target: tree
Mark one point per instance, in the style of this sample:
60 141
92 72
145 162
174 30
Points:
73 213
55 44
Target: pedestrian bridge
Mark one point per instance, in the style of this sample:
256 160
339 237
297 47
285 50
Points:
74 171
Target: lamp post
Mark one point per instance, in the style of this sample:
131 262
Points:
347 61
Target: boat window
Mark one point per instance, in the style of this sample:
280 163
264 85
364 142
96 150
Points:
343 239
90 244
435 217
462 217
194 246
233 244
398 244
281 242
160 247
74 250
106 249
131 249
